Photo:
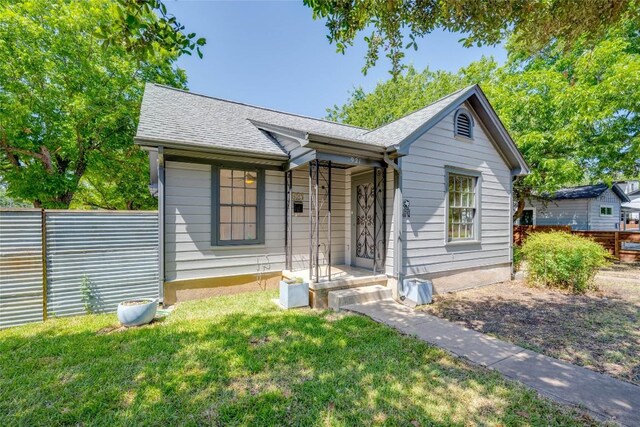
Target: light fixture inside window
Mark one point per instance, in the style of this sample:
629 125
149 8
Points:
249 179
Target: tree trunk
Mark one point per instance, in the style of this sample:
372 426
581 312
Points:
521 204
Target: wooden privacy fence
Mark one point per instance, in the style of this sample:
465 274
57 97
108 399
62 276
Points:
613 241
65 262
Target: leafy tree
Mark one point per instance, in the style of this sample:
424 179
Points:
69 99
410 91
534 24
145 25
574 115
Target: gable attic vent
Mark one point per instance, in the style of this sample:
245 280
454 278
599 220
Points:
463 124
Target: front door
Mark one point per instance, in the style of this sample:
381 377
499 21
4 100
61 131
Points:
362 222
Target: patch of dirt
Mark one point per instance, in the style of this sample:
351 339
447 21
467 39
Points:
259 340
600 331
111 329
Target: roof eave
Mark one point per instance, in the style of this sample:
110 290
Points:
157 142
623 196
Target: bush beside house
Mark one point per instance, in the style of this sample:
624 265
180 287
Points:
562 260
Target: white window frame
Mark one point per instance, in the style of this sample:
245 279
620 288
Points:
477 218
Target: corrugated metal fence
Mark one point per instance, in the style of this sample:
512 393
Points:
21 286
94 260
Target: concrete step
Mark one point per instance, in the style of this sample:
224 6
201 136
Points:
349 282
360 295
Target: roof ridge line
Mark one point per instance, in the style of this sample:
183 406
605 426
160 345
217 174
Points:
258 107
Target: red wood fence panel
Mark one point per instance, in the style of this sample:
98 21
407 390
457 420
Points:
613 241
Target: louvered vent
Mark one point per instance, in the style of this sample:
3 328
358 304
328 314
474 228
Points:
463 124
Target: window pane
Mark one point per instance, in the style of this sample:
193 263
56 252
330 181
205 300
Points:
237 232
225 231
225 177
225 214
251 179
238 196
454 215
250 215
225 195
250 232
238 179
238 214
251 197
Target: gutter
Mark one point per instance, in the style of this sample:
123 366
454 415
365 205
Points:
340 143
157 142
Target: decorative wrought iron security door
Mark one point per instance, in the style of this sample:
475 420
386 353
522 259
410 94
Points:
365 242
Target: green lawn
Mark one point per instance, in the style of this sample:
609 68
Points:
237 360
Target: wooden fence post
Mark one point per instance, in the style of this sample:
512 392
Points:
617 245
43 232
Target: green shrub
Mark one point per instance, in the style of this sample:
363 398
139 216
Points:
517 257
562 260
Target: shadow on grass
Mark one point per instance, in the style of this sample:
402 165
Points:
598 333
267 367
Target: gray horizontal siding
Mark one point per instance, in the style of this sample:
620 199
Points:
339 220
423 184
605 223
188 250
572 213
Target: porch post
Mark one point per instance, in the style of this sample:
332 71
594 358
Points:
329 171
288 228
375 217
291 220
311 221
286 220
379 218
317 246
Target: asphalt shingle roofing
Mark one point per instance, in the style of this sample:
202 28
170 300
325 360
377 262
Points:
173 115
178 116
394 132
586 192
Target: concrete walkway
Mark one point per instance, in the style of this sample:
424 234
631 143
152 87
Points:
606 397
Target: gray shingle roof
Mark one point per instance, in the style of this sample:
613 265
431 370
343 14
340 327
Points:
587 192
174 115
396 131
178 116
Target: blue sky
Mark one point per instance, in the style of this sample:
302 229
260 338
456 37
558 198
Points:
273 54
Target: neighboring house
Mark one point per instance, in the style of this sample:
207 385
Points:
631 210
630 187
587 207
247 193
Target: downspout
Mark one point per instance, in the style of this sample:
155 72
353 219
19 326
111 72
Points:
161 192
511 224
397 223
